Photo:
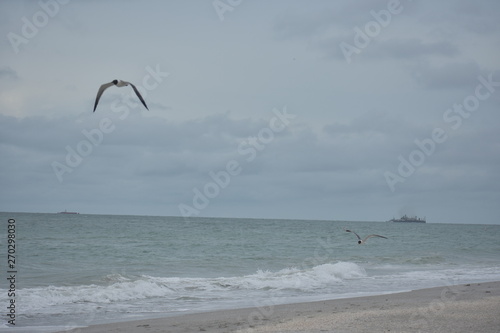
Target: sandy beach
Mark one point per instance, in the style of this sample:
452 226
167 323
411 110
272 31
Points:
461 308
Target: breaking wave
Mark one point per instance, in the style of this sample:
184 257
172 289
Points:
118 288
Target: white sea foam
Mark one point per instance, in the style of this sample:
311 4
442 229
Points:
295 278
126 290
118 288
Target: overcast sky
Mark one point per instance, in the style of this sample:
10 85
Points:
341 110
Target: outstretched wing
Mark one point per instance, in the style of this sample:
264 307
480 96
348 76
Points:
347 230
100 91
139 95
373 236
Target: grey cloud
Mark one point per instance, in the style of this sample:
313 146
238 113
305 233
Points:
349 162
152 146
326 16
463 16
447 76
36 133
7 72
412 48
380 49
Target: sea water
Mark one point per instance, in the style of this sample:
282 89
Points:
78 270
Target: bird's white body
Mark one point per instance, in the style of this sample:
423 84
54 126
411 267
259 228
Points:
121 83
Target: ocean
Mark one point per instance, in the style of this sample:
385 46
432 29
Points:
78 270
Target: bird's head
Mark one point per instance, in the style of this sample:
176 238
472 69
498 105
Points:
115 82
359 242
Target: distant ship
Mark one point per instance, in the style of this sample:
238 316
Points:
66 212
409 219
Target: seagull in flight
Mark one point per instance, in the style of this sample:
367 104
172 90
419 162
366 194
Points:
118 83
361 241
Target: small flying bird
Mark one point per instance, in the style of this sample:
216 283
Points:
361 241
118 83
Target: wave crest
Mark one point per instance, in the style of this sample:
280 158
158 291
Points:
118 288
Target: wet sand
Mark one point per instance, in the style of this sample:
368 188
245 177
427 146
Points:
462 308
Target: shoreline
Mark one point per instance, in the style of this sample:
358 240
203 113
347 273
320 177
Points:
473 307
